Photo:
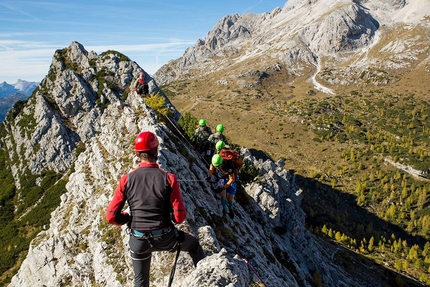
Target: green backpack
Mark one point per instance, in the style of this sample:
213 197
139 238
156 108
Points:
202 136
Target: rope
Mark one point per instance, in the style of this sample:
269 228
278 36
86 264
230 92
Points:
255 272
172 272
182 135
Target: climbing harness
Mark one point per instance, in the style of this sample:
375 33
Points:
255 272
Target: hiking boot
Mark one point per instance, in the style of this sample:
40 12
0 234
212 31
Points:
224 212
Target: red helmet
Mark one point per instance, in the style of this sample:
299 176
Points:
146 141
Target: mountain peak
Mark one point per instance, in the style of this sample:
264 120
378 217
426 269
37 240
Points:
25 87
21 86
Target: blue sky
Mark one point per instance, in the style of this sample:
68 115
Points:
148 32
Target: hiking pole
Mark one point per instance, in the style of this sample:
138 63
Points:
172 272
255 272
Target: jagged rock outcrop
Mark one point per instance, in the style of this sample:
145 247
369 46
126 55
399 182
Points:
65 109
80 249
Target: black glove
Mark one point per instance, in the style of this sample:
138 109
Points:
128 221
181 236
209 178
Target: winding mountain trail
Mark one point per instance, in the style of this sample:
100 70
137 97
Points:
316 84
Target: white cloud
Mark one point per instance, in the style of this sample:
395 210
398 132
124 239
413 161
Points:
20 45
24 60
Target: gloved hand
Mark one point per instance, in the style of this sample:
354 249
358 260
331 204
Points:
127 219
181 236
172 218
209 179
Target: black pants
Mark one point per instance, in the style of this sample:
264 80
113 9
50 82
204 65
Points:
141 252
144 89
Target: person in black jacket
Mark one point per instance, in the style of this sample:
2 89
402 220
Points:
227 175
200 139
155 200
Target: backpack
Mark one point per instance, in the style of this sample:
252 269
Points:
216 137
201 136
234 156
200 139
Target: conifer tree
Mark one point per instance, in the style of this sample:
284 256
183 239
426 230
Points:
370 246
338 236
324 229
330 233
413 252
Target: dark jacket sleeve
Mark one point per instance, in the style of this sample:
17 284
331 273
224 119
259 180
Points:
114 214
178 207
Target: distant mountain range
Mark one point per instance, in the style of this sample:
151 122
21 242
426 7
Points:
310 45
9 94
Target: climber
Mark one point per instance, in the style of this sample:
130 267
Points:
200 139
155 200
220 145
225 172
140 86
229 154
216 137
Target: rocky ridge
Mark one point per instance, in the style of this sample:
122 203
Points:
85 102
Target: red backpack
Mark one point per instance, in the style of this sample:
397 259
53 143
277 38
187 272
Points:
234 156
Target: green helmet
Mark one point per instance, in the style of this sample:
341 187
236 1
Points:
202 122
216 160
220 128
219 145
